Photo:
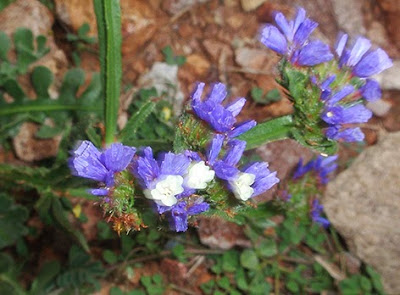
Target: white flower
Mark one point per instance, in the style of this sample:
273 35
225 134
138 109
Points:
198 175
241 186
165 190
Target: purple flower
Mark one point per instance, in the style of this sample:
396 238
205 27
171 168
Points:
363 62
348 135
179 213
88 162
312 54
371 90
248 182
162 180
316 211
221 118
290 38
339 95
322 166
339 114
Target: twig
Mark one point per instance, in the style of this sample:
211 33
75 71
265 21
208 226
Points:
182 290
200 260
332 269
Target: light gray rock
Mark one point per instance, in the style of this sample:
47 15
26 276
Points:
363 204
390 79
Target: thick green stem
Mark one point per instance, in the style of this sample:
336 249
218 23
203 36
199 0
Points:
272 130
14 109
108 17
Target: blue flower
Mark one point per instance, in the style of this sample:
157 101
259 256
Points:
249 182
322 166
363 62
316 211
291 39
179 213
162 180
348 134
371 90
338 114
88 162
221 118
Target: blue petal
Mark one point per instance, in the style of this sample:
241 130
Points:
273 39
341 44
264 178
300 18
146 168
371 91
198 208
215 148
236 106
361 47
348 135
99 192
225 171
346 115
218 93
117 157
196 96
86 163
242 128
372 63
235 151
283 24
313 54
304 31
173 164
342 93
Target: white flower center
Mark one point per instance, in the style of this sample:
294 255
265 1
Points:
329 114
241 186
165 190
198 175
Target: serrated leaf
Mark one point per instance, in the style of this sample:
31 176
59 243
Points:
5 45
42 78
60 216
136 120
249 259
275 129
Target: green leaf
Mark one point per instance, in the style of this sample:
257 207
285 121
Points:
230 261
60 216
249 259
12 88
6 262
108 17
47 131
375 278
12 219
5 44
136 121
224 283
293 287
109 256
267 248
46 275
275 129
42 78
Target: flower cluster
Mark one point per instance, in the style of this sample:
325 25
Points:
186 182
321 166
333 86
316 210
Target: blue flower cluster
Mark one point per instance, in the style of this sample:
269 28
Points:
322 166
177 183
316 211
342 82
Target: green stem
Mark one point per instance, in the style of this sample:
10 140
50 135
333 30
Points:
272 130
14 109
108 17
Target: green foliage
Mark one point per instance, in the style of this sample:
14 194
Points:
80 42
154 285
108 16
80 271
172 59
270 97
275 129
5 3
12 219
41 107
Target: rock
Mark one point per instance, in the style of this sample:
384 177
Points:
218 233
363 204
254 59
198 64
282 156
389 79
349 16
249 5
178 6
380 107
391 10
29 148
75 13
162 76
